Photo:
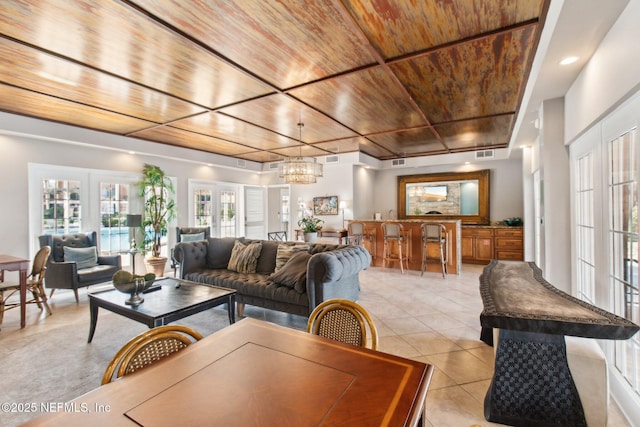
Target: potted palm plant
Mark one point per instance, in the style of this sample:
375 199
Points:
310 226
156 189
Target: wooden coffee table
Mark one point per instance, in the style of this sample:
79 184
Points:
174 300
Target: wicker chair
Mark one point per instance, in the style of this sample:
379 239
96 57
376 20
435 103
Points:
149 347
343 320
35 285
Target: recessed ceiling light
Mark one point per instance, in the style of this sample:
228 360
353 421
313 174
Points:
569 60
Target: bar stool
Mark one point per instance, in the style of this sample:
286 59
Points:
434 233
393 232
355 234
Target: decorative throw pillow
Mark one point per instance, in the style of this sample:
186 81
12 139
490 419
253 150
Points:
285 252
244 258
191 237
219 251
83 257
294 273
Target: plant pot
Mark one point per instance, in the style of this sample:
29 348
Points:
156 265
310 237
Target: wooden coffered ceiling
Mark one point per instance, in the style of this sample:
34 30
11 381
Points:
387 78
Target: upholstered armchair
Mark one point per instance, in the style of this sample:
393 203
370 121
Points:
74 262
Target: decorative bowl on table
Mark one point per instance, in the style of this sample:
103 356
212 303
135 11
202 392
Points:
133 285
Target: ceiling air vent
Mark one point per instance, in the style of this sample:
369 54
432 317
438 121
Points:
242 163
397 162
484 154
332 159
274 165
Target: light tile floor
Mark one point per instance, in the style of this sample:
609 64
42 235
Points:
427 318
437 321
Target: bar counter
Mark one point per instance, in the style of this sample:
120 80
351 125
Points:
374 243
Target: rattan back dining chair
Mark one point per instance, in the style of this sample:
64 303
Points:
434 234
149 347
35 285
345 321
355 233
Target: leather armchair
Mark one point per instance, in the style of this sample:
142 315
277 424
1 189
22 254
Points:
63 274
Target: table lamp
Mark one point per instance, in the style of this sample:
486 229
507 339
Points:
343 206
134 221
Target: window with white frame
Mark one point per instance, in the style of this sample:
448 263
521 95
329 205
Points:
623 254
61 206
585 243
114 207
203 207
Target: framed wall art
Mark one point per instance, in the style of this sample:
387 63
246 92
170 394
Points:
327 205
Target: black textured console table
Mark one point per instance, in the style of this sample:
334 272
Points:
532 384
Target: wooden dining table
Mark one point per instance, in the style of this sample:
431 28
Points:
11 263
258 373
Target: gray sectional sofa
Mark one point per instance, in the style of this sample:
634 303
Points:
297 287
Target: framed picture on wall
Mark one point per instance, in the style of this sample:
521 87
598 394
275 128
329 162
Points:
327 205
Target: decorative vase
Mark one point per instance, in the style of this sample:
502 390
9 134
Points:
134 289
156 265
310 237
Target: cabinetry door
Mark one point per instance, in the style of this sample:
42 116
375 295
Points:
484 248
466 249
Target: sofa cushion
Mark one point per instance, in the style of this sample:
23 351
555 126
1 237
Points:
294 273
83 257
286 251
267 258
255 286
193 237
244 258
219 251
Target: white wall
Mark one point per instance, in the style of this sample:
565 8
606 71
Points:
554 161
337 181
610 76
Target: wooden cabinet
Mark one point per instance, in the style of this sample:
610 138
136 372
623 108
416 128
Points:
508 242
482 244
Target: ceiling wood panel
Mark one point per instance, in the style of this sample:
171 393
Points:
385 22
340 146
410 142
40 72
282 114
60 110
478 78
234 130
477 133
287 43
367 101
112 37
235 77
181 138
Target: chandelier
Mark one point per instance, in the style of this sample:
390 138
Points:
300 170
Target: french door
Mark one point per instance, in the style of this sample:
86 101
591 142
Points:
216 206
